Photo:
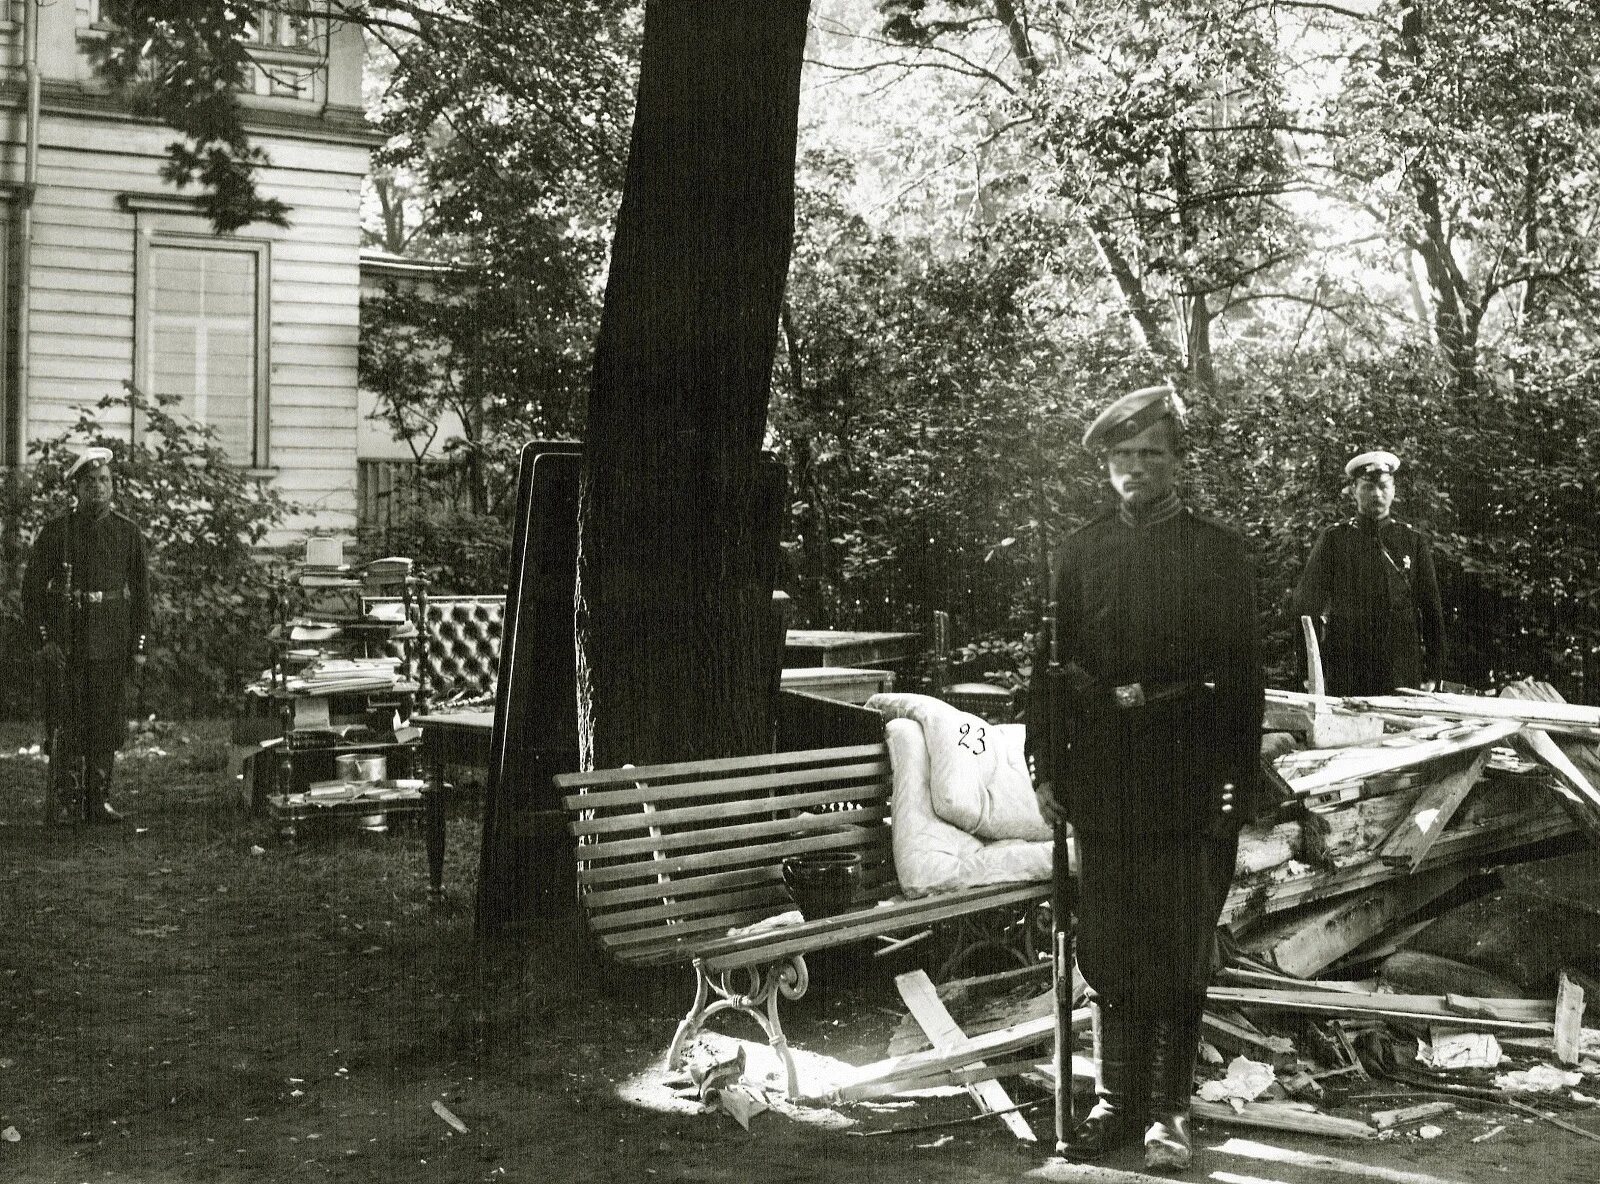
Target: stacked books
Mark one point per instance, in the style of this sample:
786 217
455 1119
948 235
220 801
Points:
340 676
393 569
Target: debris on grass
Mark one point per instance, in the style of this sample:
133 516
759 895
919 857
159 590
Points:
443 1112
1245 1081
1539 1079
1461 1050
11 1135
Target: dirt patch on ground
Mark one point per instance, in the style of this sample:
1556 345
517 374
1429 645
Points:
185 997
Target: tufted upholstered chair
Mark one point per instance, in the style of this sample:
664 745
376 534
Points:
460 646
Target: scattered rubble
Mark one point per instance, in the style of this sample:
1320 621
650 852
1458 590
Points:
1391 823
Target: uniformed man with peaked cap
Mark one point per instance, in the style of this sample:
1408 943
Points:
86 603
1156 625
1371 580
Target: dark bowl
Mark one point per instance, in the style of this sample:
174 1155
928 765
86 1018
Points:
823 883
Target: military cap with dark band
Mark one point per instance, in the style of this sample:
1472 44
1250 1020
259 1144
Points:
1131 414
1371 464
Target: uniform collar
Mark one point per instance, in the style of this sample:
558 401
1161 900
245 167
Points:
1164 510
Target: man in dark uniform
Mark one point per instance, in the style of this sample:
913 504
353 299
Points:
86 602
1156 626
1372 579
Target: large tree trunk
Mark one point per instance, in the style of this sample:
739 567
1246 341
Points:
677 534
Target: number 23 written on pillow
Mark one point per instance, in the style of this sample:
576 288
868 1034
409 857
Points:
968 732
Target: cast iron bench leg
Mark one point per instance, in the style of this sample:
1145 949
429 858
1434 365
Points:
785 978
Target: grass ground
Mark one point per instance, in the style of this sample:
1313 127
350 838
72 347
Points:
187 998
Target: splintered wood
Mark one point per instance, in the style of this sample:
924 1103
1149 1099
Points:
1418 792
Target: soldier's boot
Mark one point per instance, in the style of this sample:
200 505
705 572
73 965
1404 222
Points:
1168 1142
98 791
1121 1083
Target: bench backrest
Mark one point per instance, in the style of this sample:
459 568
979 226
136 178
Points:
670 856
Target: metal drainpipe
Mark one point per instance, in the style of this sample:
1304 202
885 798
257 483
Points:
30 178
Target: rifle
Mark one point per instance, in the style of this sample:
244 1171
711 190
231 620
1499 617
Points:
1048 712
65 790
1051 718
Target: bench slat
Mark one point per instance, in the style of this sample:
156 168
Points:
868 774
702 837
676 906
733 953
598 899
703 929
698 769
862 838
717 811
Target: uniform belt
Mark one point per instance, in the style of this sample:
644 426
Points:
110 594
1144 694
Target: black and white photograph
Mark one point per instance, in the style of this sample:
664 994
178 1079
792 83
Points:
696 591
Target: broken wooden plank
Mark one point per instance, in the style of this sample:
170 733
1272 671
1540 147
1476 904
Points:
1588 797
1245 977
1331 727
1246 901
1409 843
1302 944
1282 1118
1591 995
1389 1119
1239 1038
1368 760
1382 947
950 1078
917 989
1324 1167
1568 717
1522 1015
1569 1019
1262 849
976 1048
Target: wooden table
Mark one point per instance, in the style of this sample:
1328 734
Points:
844 683
840 647
294 811
448 738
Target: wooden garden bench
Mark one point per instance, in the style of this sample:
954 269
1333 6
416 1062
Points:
671 857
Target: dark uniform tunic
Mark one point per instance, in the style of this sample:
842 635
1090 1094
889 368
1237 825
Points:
1374 580
1166 602
102 628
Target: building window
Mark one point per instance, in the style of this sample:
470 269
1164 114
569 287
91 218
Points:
287 25
204 326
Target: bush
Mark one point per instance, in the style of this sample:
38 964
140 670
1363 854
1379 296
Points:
202 518
461 552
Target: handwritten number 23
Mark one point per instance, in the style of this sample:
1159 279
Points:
966 734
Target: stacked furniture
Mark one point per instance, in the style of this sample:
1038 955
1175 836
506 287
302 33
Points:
332 715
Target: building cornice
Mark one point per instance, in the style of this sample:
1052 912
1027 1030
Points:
331 124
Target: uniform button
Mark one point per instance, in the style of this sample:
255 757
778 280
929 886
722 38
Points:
1227 809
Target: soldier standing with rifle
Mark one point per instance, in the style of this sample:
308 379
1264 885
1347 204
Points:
86 603
1146 742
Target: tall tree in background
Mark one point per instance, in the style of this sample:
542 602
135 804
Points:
508 166
1151 134
1470 129
677 530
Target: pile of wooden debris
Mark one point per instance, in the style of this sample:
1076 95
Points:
1393 803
